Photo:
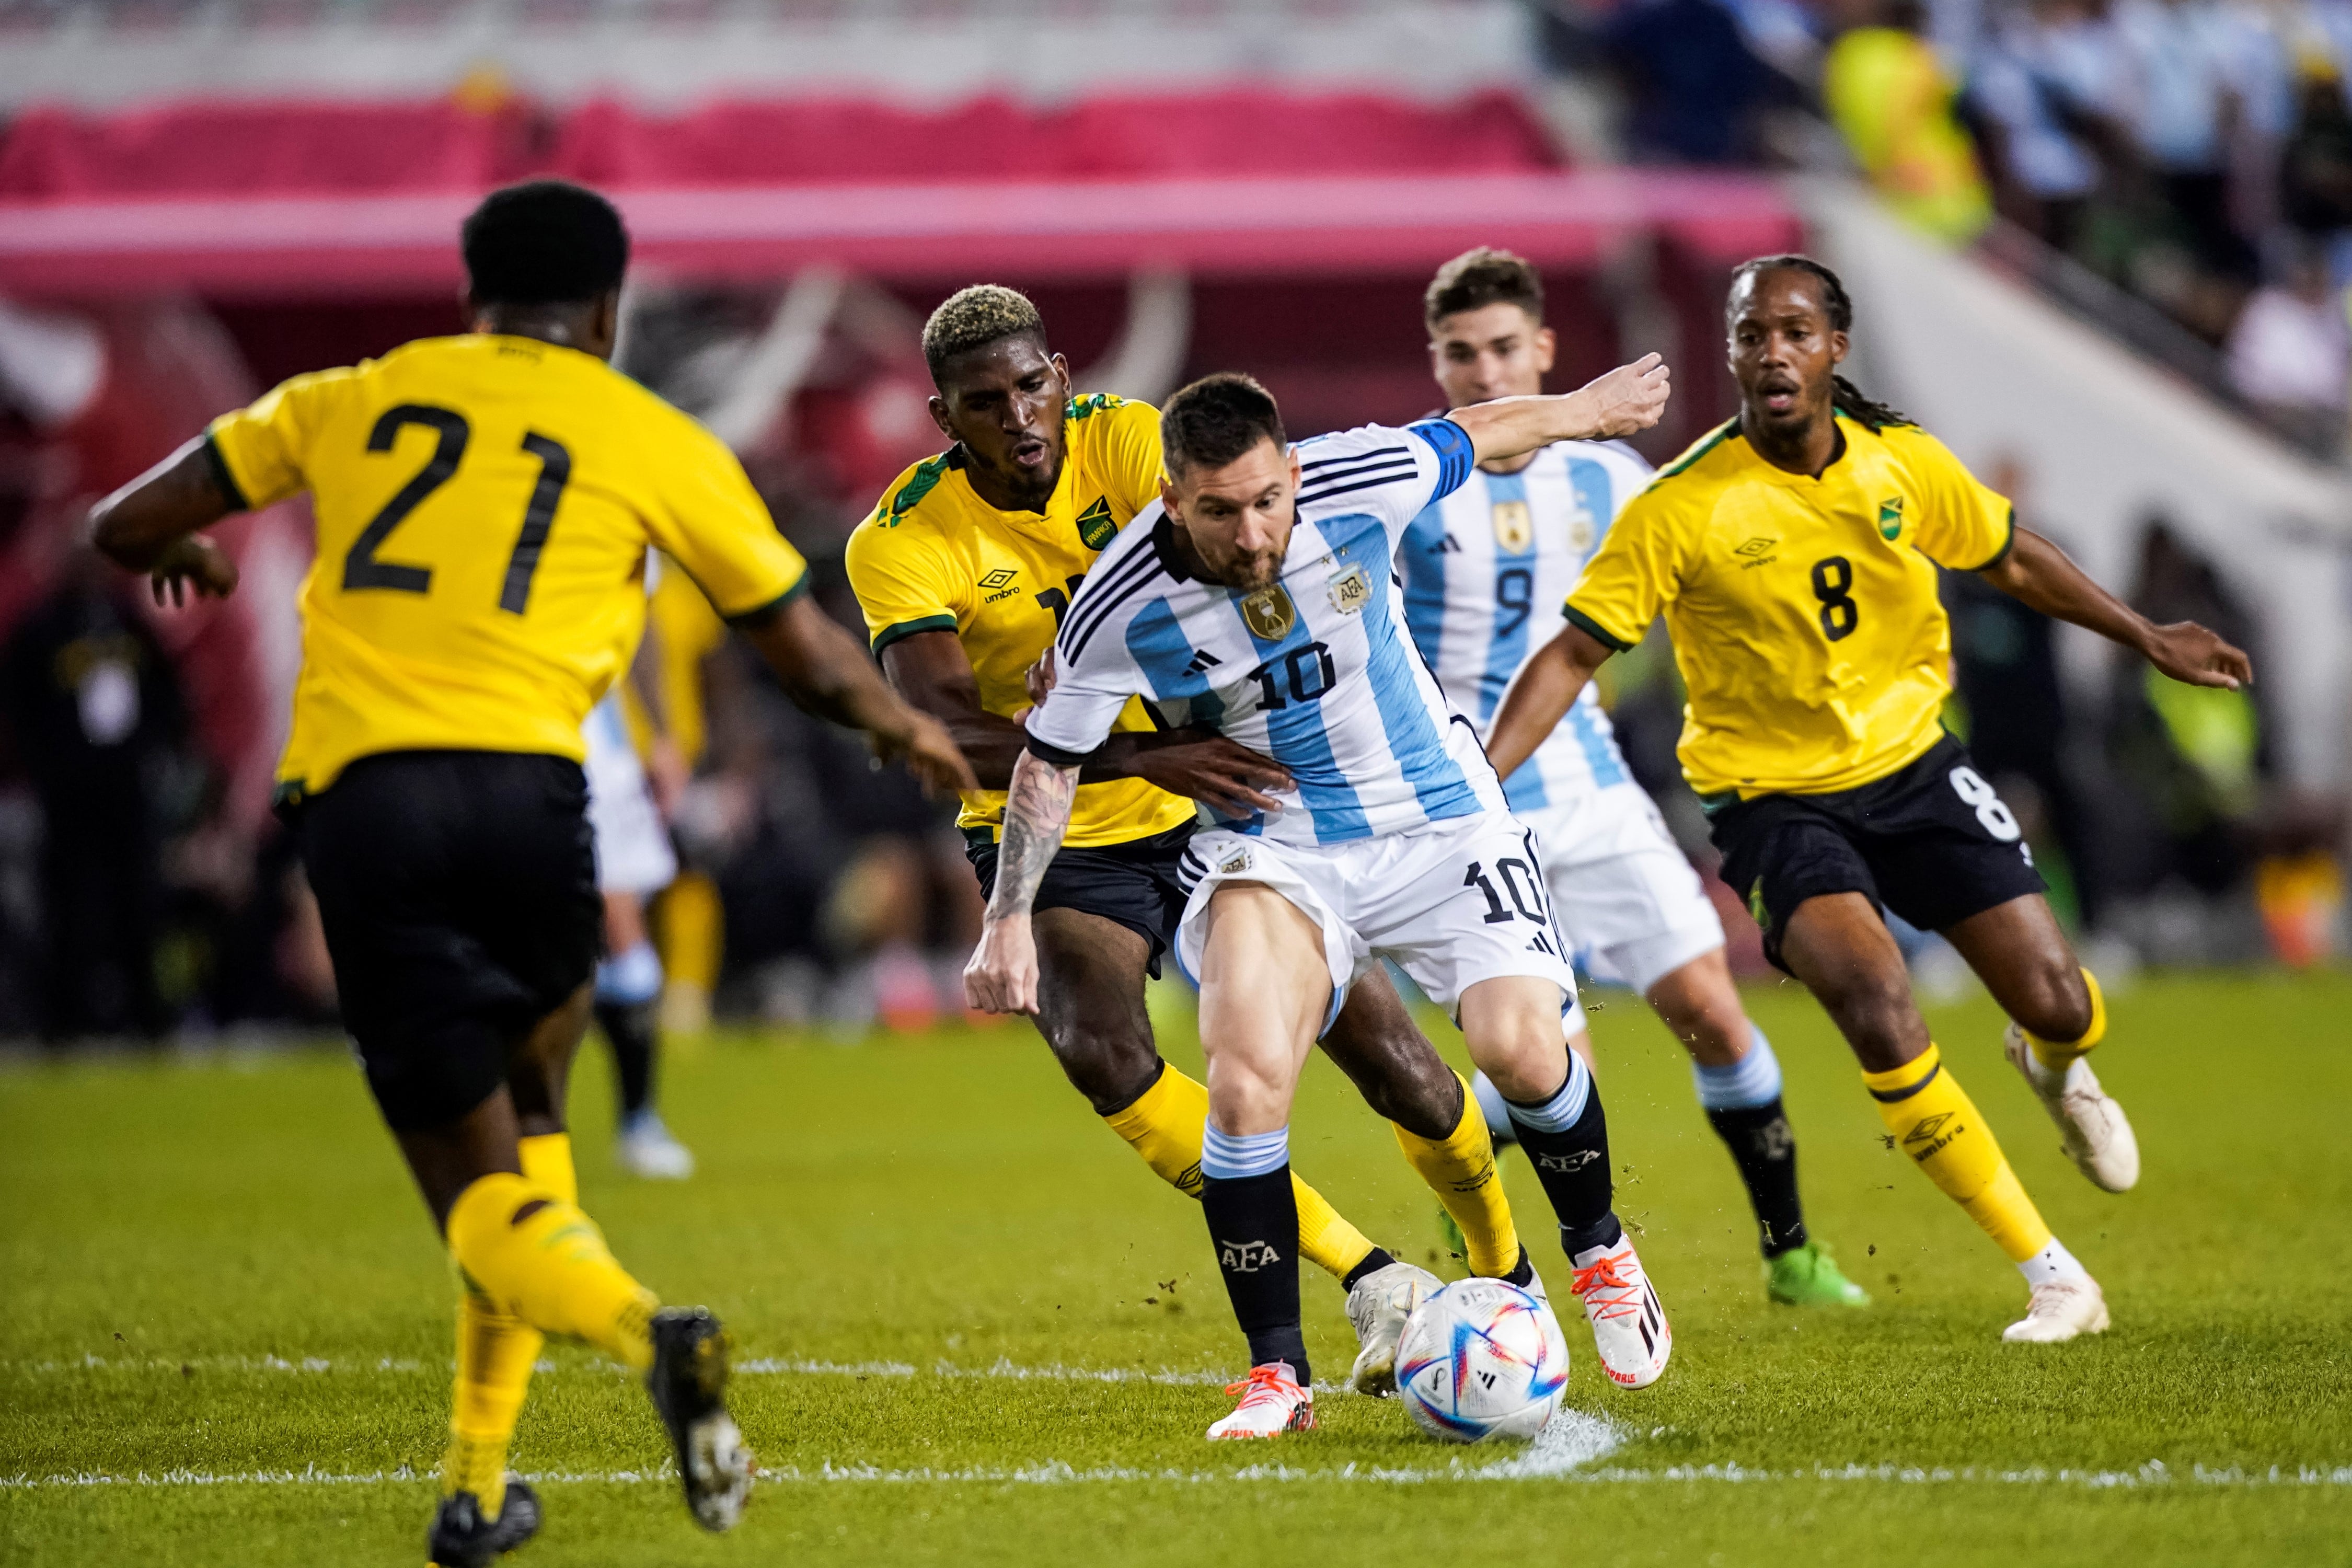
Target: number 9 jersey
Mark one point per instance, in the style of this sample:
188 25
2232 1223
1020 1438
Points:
1804 611
483 505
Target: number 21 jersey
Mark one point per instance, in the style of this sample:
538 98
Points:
484 504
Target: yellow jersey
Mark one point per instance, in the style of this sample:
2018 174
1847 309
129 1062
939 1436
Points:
933 557
1804 612
484 504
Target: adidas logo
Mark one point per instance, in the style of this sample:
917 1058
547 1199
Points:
1202 659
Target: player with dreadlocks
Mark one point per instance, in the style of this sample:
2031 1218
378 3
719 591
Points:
1794 553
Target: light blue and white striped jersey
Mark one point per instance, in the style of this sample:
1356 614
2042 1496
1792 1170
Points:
1317 672
1486 569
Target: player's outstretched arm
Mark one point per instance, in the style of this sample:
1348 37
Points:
2038 573
1539 697
149 525
826 671
1002 974
931 670
1628 399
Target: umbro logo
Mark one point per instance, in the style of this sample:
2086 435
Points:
1925 1131
1000 577
1202 659
1756 546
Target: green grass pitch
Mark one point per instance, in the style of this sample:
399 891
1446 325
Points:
225 1333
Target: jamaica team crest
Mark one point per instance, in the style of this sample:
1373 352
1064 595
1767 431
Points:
1269 613
1890 516
1095 526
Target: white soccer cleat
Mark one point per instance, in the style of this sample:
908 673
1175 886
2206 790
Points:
1629 1332
646 1148
1378 1307
2060 1311
1272 1403
2092 1129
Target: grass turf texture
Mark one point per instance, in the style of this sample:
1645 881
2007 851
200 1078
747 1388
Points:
217 1267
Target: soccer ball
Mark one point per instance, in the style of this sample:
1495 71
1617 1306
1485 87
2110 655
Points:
1481 1359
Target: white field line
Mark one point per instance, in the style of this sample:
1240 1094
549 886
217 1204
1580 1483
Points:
762 1366
1534 1465
1566 1448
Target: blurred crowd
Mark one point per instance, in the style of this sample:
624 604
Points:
146 890
2195 153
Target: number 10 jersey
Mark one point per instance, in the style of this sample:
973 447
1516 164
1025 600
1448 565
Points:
1315 670
483 507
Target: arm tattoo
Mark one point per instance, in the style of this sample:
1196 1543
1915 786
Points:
1036 814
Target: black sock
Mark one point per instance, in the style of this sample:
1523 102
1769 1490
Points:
629 1025
1766 1153
1375 1260
1573 1166
1254 1226
1523 1273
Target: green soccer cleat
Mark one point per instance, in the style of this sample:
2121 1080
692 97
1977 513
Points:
1808 1276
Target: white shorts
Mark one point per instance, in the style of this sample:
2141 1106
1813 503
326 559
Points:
632 849
1635 911
1452 904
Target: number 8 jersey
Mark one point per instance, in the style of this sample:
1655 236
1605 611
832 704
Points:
1316 671
483 507
1804 611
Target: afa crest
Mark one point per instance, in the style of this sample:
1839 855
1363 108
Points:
1269 613
1350 591
1515 527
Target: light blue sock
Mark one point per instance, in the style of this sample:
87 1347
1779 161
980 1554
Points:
1229 1157
1753 1081
1562 1110
628 978
1496 1110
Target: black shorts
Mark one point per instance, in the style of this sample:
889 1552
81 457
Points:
459 893
1932 842
1133 884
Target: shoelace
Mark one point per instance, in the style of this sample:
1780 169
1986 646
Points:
1602 1275
1262 1384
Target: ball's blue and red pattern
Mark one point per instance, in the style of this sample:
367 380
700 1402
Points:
1481 1359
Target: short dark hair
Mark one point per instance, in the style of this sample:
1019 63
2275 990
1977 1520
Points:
1476 279
1216 420
974 318
544 242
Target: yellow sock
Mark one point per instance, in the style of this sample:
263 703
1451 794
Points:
1934 1121
1326 1239
546 1160
2056 1054
1459 1169
495 1356
1165 1124
550 1267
